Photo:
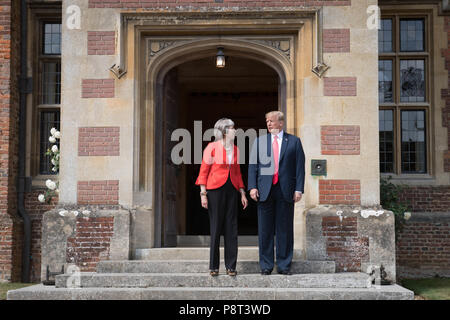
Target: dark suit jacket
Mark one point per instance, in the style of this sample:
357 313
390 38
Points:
291 172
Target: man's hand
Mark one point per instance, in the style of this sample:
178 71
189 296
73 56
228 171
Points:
254 194
297 196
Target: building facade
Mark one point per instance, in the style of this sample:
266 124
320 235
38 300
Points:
369 96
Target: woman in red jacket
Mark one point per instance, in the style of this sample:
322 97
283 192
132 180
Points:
220 183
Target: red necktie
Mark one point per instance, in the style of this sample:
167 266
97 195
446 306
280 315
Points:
275 156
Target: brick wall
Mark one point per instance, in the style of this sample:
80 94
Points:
423 246
91 242
132 4
340 140
101 42
445 94
339 86
97 88
11 226
99 141
346 192
336 40
36 210
98 192
426 198
343 244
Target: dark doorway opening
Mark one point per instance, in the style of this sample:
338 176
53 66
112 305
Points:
244 91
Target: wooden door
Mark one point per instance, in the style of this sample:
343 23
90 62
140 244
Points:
170 170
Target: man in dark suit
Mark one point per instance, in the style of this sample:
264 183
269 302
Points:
276 178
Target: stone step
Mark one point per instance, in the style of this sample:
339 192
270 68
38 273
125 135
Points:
176 280
203 241
202 266
199 253
41 292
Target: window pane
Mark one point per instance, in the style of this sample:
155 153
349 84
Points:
412 80
51 83
386 140
48 120
412 34
52 38
385 81
385 36
413 141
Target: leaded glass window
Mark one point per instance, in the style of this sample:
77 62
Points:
385 81
386 127
412 80
413 141
385 36
412 35
403 94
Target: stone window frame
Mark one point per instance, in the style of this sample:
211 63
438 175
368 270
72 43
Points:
39 14
396 106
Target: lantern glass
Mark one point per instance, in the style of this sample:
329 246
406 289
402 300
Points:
220 61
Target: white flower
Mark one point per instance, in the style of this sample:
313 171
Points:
75 213
57 135
86 212
55 148
52 131
50 184
41 198
52 139
57 191
407 215
53 162
54 169
63 213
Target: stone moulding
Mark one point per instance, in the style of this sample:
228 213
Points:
157 45
246 20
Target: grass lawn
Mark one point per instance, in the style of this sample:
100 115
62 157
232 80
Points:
429 289
5 287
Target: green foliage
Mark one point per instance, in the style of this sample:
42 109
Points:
390 200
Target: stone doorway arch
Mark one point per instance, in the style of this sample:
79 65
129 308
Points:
151 44
276 57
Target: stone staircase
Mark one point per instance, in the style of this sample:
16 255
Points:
182 273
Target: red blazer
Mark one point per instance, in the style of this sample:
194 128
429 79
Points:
214 170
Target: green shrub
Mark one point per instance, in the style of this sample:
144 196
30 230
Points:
390 200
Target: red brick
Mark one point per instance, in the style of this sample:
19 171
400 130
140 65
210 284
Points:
97 88
155 4
339 192
101 192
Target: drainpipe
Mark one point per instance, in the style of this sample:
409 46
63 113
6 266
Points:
23 183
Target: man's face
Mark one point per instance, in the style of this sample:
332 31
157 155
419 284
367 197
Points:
273 124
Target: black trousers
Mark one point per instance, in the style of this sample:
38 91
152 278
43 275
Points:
275 218
223 211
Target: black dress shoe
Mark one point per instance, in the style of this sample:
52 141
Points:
285 272
266 272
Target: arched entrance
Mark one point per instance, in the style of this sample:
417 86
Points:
187 87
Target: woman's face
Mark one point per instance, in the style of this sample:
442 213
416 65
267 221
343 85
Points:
230 133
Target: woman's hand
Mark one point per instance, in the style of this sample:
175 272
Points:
244 200
204 200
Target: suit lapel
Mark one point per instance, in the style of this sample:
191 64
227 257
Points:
283 146
269 145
